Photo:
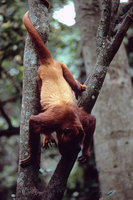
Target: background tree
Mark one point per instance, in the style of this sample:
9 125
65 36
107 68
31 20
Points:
113 110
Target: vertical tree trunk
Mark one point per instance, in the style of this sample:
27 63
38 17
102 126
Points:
87 17
113 110
114 133
28 177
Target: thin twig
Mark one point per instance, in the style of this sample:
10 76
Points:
114 17
12 99
120 34
5 115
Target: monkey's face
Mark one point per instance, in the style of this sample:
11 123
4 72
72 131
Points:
70 138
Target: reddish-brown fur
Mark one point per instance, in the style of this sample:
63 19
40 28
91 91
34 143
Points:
59 112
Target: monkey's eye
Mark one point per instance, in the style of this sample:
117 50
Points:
66 131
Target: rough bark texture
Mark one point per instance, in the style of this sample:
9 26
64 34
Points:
88 13
28 177
114 132
113 110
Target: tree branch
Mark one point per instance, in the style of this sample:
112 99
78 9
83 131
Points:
57 184
117 40
12 99
106 53
10 132
115 6
105 18
104 25
5 115
114 17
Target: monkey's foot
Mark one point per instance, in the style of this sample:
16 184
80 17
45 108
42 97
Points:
48 140
26 162
84 158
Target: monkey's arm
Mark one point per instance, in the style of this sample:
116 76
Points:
75 85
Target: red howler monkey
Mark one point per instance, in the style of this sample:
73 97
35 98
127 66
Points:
59 112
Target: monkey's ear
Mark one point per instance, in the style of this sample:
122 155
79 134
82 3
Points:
66 131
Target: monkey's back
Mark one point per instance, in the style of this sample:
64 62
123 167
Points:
55 89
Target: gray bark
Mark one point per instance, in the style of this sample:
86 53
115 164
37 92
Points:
28 177
114 132
113 110
88 13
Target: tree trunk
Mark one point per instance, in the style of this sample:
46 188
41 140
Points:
114 132
113 110
28 177
87 17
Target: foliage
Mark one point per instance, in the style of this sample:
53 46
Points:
12 35
11 55
8 166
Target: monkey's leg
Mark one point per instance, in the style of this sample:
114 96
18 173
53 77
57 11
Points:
89 123
33 143
48 140
37 124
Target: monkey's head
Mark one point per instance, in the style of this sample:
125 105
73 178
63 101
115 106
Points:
70 138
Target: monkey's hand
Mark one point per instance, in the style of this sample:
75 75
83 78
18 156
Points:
48 140
80 89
